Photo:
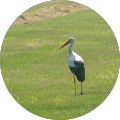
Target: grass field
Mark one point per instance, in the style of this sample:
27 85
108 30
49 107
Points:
36 72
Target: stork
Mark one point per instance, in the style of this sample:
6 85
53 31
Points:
76 63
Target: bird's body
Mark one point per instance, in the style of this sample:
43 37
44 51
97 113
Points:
76 63
74 57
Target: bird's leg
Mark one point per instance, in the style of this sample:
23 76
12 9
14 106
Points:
74 83
81 89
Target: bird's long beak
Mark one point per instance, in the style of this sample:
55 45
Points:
64 44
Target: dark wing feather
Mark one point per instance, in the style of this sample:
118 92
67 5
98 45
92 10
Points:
79 70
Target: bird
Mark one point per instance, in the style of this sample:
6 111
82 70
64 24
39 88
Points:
76 63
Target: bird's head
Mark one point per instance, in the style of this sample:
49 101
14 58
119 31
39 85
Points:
70 40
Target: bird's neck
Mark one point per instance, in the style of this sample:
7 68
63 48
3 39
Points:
70 49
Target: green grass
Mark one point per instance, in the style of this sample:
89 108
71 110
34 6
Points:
36 72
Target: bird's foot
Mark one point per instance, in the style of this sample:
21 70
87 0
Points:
81 93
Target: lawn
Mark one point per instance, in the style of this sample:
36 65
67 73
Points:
36 72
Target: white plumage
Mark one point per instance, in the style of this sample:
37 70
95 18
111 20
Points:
74 57
76 63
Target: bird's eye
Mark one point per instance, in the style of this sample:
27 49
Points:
69 40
